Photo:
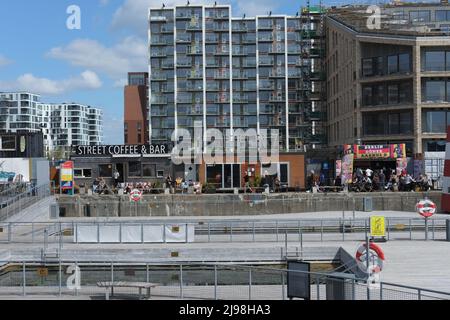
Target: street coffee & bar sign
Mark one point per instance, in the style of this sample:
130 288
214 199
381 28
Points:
118 150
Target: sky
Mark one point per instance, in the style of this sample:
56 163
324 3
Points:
38 53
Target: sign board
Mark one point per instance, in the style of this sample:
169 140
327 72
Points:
66 174
383 151
377 226
347 169
298 280
116 150
426 208
338 167
135 195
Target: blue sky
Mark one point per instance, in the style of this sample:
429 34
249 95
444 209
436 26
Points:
39 54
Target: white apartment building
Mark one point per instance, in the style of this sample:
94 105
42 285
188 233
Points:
62 125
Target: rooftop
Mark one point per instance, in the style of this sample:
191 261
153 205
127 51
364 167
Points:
395 19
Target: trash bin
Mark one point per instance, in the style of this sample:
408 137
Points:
368 205
54 211
447 229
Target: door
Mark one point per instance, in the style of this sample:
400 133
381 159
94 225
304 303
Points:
120 167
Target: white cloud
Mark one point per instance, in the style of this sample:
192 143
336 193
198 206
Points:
128 55
28 82
4 61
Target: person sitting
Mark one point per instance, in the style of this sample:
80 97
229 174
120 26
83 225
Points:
184 186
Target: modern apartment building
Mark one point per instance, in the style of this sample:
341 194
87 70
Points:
136 109
62 125
391 84
235 73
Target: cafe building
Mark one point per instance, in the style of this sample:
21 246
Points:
135 163
153 163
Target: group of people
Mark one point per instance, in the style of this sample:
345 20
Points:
181 183
388 180
273 183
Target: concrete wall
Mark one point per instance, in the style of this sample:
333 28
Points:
235 205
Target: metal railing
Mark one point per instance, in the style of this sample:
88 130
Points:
290 231
15 204
194 281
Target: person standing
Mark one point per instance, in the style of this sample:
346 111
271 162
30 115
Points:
116 176
382 177
246 182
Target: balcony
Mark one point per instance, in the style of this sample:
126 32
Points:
194 75
240 75
184 64
277 74
158 77
222 98
239 28
277 50
265 62
157 41
166 29
239 51
193 27
211 39
268 38
294 50
183 38
158 100
221 75
158 54
194 50
294 74
266 26
168 65
212 87
277 98
221 28
194 88
240 99
222 50
158 19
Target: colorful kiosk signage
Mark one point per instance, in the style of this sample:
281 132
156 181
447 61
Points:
66 174
389 151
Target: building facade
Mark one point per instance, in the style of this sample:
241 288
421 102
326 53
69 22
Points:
62 125
232 73
389 85
136 109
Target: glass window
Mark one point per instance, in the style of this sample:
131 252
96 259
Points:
404 63
392 64
435 61
148 170
394 123
134 169
393 94
406 123
8 143
405 92
367 66
434 91
105 170
380 97
447 61
367 96
433 121
435 146
284 177
160 174
441 15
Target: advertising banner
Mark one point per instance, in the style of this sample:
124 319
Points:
338 167
381 151
402 164
347 169
67 175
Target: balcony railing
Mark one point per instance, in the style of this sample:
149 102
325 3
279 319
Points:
194 50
